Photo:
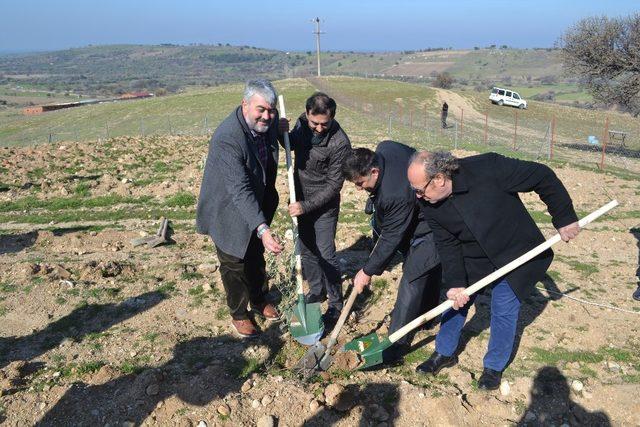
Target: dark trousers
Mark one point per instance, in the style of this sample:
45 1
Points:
443 119
415 298
244 279
317 233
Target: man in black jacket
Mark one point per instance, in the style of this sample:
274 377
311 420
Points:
320 145
480 224
238 199
400 227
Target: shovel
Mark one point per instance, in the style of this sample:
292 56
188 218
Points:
305 320
370 347
318 357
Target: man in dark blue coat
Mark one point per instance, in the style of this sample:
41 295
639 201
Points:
480 224
238 200
400 228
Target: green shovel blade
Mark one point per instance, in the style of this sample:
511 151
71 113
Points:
370 348
305 322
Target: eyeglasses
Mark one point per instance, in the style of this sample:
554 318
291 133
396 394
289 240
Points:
420 191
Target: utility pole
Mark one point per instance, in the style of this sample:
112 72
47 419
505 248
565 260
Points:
317 33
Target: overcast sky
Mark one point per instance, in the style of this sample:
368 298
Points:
374 25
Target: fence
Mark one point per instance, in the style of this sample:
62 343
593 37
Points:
503 129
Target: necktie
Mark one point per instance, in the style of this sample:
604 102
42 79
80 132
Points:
261 145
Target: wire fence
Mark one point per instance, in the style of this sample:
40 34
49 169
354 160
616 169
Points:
603 145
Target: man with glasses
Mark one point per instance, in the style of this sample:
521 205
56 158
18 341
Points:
400 228
480 224
320 146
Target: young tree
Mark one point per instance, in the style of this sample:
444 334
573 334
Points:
605 53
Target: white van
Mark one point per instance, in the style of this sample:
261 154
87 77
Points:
507 97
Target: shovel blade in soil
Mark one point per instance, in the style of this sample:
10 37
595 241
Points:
310 362
369 348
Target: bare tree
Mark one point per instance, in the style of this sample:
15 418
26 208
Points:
443 80
605 53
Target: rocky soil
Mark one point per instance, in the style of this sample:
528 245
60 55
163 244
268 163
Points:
94 331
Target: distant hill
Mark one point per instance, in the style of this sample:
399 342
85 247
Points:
96 71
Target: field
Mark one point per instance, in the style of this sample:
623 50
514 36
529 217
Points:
96 331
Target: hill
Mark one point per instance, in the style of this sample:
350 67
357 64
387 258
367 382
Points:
96 71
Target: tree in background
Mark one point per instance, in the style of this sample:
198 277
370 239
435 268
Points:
443 80
605 53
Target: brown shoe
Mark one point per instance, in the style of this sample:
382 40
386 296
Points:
268 311
244 328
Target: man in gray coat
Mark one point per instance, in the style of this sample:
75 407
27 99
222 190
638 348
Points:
238 200
320 146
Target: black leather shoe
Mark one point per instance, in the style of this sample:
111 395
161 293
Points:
490 379
435 363
314 298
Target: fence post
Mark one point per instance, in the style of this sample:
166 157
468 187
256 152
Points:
107 129
515 131
553 137
486 114
605 139
455 141
426 116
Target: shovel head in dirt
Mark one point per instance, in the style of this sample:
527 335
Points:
319 357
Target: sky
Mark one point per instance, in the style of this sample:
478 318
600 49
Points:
374 25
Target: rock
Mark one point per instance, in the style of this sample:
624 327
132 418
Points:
246 386
314 405
224 410
42 405
339 398
332 392
208 268
529 417
206 287
255 403
61 273
266 400
613 367
152 389
266 421
202 423
505 389
378 413
577 386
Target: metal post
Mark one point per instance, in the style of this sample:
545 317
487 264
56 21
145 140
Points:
515 131
605 138
486 120
455 143
553 137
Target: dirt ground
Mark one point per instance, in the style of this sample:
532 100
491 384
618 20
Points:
94 331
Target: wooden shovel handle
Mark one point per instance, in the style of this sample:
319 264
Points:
496 275
292 196
343 318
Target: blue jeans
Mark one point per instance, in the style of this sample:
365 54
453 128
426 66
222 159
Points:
505 308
